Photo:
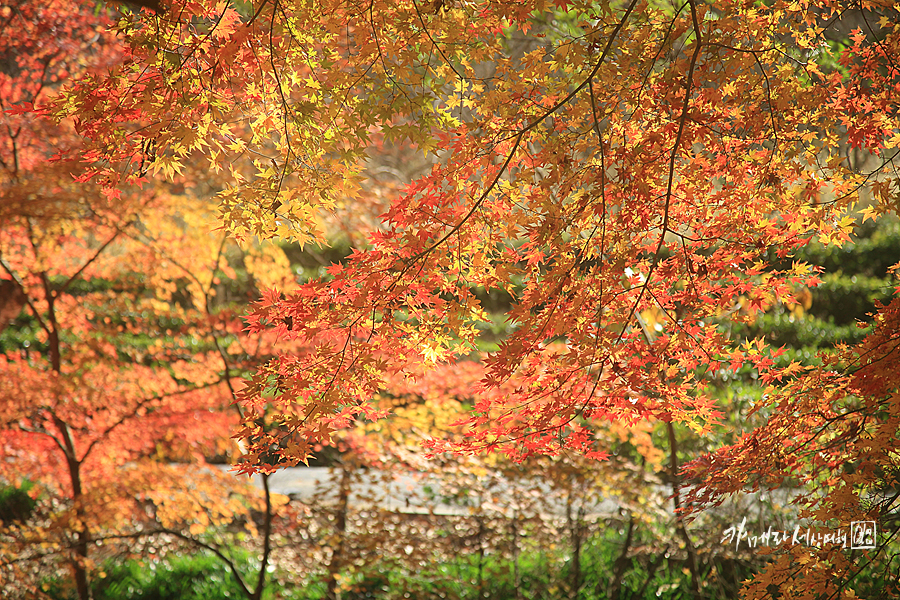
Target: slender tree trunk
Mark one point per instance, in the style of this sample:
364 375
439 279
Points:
576 560
575 535
340 529
480 556
82 533
267 541
82 542
514 532
676 500
621 564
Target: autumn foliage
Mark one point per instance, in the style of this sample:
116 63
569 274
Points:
568 175
119 360
629 177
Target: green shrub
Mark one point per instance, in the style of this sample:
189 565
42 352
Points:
16 505
188 577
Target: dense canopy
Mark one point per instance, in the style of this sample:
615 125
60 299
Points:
612 185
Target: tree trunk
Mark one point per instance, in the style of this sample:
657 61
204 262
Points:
480 556
267 541
621 564
340 531
576 534
514 533
82 533
676 500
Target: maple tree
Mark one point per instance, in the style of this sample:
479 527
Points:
629 174
121 345
573 195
